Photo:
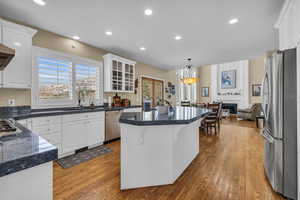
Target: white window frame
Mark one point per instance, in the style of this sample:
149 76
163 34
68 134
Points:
42 52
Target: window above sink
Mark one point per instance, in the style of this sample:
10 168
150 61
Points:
59 78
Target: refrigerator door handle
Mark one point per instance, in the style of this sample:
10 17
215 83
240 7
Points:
266 105
267 137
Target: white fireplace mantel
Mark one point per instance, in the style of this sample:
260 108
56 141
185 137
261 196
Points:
242 83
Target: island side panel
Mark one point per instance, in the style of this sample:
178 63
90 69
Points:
145 155
156 155
34 183
185 147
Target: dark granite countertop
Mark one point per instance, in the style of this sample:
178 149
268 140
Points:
28 113
179 115
24 150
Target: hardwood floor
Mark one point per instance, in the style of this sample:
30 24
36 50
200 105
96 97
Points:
229 166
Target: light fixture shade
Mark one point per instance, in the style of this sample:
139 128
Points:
190 80
189 76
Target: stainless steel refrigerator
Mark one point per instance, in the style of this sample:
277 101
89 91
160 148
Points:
279 96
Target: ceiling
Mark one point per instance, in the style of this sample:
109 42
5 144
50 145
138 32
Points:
207 37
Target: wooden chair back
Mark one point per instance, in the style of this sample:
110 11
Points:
214 107
220 111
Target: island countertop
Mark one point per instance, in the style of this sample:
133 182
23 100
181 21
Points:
179 115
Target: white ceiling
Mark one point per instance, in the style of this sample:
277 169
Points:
203 24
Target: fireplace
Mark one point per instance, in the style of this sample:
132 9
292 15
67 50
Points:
230 106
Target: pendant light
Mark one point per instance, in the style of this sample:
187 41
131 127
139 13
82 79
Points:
188 76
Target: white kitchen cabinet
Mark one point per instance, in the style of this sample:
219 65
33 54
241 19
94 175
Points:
48 128
74 136
1 82
18 72
69 132
133 110
119 74
288 25
95 130
82 130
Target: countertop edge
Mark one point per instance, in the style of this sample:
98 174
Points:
161 122
69 112
27 162
23 162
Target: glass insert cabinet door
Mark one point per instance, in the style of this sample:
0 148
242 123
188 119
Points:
129 82
152 90
117 75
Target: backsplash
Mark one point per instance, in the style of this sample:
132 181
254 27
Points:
21 97
9 112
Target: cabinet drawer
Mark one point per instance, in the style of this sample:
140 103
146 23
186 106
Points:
74 117
133 110
83 116
53 138
97 115
46 130
41 121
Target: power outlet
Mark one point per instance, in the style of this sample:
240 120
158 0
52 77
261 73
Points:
11 102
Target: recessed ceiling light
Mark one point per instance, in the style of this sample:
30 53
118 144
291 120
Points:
142 48
178 37
108 33
234 21
40 2
76 37
18 44
148 12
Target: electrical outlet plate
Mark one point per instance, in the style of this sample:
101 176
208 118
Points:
11 102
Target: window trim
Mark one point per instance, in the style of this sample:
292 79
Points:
43 52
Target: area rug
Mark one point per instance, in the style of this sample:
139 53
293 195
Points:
83 156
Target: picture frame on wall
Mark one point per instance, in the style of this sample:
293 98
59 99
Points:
256 90
228 79
205 92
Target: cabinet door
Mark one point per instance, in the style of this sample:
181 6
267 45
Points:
74 136
18 73
1 82
129 77
133 110
95 131
117 75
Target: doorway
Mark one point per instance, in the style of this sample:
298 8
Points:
153 91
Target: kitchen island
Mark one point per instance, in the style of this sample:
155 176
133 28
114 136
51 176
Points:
156 147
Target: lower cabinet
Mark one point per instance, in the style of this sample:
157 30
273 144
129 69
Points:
139 109
74 136
69 132
96 132
82 130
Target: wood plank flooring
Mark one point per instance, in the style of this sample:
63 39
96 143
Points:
229 167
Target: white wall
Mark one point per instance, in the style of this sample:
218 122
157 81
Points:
242 83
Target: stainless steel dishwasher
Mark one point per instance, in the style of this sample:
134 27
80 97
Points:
112 125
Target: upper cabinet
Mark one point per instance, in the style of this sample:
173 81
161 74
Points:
18 72
119 74
288 25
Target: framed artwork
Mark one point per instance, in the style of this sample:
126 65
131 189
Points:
228 79
205 92
256 90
